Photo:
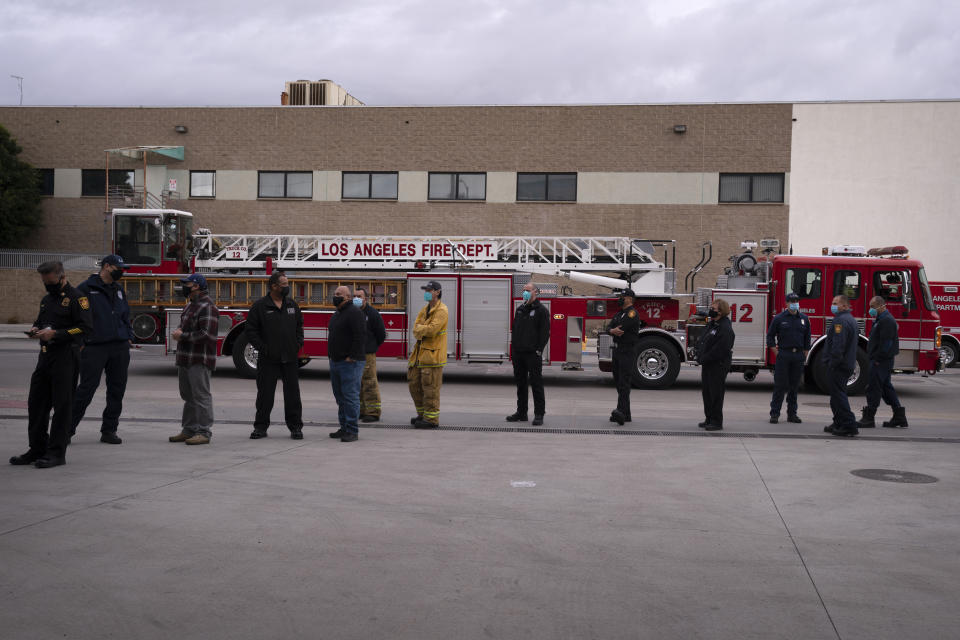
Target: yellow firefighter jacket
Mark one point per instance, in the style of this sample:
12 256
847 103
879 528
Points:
430 333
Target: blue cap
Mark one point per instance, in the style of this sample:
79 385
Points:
113 259
197 278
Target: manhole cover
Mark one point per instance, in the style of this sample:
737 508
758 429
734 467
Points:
892 475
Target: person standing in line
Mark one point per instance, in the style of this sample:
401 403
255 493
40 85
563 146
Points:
64 319
376 334
715 355
883 346
196 359
428 357
275 329
624 327
789 337
347 333
107 350
841 358
531 333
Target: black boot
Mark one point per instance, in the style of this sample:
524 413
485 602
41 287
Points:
899 419
866 421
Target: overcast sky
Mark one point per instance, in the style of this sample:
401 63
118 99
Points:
240 52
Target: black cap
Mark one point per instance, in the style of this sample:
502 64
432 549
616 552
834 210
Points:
628 292
432 285
793 297
113 259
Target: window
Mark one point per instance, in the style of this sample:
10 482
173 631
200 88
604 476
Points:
203 184
457 186
847 283
370 185
554 187
285 184
46 181
751 187
137 239
804 282
892 286
92 181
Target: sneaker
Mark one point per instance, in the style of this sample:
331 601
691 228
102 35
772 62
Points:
369 418
183 436
517 417
537 421
794 418
349 437
110 437
257 434
337 434
774 419
197 439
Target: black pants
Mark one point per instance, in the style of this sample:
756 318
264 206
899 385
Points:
787 375
528 367
624 364
842 415
267 375
51 387
713 378
112 358
879 385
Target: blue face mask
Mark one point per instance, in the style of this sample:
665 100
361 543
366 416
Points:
834 309
427 296
526 296
357 302
873 312
794 306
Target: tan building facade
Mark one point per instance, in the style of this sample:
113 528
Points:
644 171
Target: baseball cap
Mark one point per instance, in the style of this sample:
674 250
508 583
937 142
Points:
113 259
433 284
196 278
793 297
628 292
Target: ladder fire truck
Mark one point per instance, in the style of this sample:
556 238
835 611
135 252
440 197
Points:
756 284
947 297
482 279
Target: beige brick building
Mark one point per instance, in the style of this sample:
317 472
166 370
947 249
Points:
620 170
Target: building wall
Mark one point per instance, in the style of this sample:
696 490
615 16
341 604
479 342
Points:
878 174
636 177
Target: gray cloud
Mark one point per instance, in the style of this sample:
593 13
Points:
480 51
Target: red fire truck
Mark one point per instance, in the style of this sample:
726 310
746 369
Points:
756 284
947 297
482 279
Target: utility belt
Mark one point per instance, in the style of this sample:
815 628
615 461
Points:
791 349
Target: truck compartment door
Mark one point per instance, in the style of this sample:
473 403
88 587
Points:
486 318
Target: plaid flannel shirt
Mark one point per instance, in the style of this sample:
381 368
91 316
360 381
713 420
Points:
198 344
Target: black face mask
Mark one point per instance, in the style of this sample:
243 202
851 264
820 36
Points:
337 301
713 313
621 301
116 275
284 292
54 288
185 290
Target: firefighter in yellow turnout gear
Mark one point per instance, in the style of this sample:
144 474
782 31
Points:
425 367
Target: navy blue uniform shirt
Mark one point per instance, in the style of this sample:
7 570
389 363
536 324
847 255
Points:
789 331
884 342
841 352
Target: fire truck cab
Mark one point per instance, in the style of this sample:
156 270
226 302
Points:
153 240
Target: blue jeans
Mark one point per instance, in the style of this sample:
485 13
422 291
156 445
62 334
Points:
345 378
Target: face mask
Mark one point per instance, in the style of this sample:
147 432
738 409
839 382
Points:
620 301
185 290
53 289
358 302
794 306
337 301
526 296
713 313
834 309
285 291
427 296
873 312
116 275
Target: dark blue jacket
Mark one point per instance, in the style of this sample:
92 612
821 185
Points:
111 313
841 352
376 332
884 342
789 331
715 346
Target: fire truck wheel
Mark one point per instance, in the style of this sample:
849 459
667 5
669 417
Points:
948 353
245 357
658 364
857 382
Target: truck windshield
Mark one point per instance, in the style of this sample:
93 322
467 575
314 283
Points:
137 239
925 288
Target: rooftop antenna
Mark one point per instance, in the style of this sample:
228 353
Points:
19 86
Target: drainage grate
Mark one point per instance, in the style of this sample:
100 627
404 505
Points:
893 475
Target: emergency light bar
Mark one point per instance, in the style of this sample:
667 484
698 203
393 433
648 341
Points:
898 250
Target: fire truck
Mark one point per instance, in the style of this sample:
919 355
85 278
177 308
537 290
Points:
482 279
756 283
946 295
